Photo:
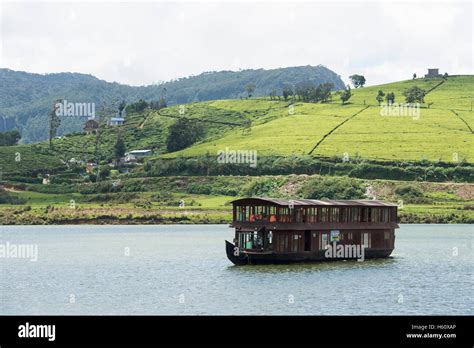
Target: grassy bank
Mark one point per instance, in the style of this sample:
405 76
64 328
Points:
201 200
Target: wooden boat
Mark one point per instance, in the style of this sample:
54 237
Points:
269 231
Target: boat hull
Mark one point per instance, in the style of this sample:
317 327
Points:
258 258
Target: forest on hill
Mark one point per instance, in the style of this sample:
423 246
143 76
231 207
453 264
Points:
26 98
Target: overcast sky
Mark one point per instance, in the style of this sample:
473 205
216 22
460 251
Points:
146 42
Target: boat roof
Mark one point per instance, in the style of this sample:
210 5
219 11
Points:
314 202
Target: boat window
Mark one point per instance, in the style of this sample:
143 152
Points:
373 214
282 242
343 214
324 214
355 214
311 215
363 215
271 213
295 243
247 240
336 214
298 214
386 214
323 241
380 215
307 240
284 215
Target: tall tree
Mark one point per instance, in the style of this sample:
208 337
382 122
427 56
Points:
106 111
357 80
162 103
54 122
346 94
183 133
380 96
250 88
390 98
415 94
325 91
119 148
121 107
287 92
272 94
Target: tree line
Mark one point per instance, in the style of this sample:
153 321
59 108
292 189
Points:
413 94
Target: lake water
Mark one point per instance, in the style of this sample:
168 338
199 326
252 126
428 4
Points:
184 270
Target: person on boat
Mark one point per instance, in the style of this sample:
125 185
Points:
252 217
273 218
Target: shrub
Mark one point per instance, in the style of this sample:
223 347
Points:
410 193
263 187
409 190
333 188
7 198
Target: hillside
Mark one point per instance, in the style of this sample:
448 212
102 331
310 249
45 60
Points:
443 129
26 99
442 132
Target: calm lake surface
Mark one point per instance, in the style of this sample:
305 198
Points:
184 270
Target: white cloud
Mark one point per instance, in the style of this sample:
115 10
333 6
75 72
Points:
145 42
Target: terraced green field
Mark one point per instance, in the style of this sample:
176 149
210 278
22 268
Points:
456 93
441 132
436 135
287 134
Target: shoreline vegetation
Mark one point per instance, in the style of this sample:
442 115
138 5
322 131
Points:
206 200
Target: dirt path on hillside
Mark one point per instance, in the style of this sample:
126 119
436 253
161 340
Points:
12 189
339 125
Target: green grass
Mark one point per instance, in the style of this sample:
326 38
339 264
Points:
278 129
287 134
454 212
456 93
25 158
437 134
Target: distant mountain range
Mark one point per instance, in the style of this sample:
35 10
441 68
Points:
26 98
